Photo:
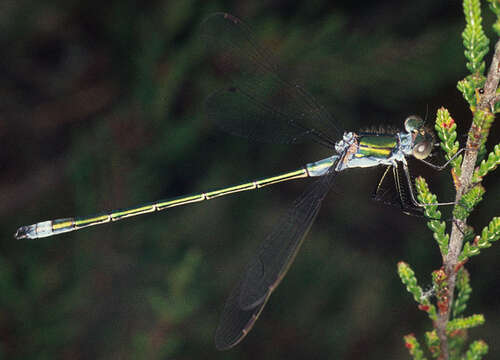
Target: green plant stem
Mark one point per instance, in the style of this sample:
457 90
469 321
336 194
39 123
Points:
488 99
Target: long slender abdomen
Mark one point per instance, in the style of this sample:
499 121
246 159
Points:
59 226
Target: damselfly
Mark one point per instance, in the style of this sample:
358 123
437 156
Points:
262 106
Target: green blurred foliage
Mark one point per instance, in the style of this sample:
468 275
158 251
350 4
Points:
102 108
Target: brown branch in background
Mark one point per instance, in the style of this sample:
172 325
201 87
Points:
492 80
487 100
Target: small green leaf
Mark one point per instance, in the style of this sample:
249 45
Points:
476 350
465 323
446 130
475 41
482 121
438 228
426 197
464 291
468 90
495 8
490 234
468 202
440 282
408 278
413 346
433 343
488 165
479 131
456 342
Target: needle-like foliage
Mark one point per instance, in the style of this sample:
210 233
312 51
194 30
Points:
451 282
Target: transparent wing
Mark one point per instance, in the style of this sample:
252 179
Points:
235 323
260 104
270 264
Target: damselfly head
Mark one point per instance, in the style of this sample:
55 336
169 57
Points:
423 138
413 123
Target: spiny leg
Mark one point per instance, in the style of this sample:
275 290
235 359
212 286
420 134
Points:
412 191
442 167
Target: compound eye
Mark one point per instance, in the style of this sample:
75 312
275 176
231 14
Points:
422 149
413 122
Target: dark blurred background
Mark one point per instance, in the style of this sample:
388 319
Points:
101 107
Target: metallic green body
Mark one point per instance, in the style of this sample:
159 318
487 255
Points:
379 146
